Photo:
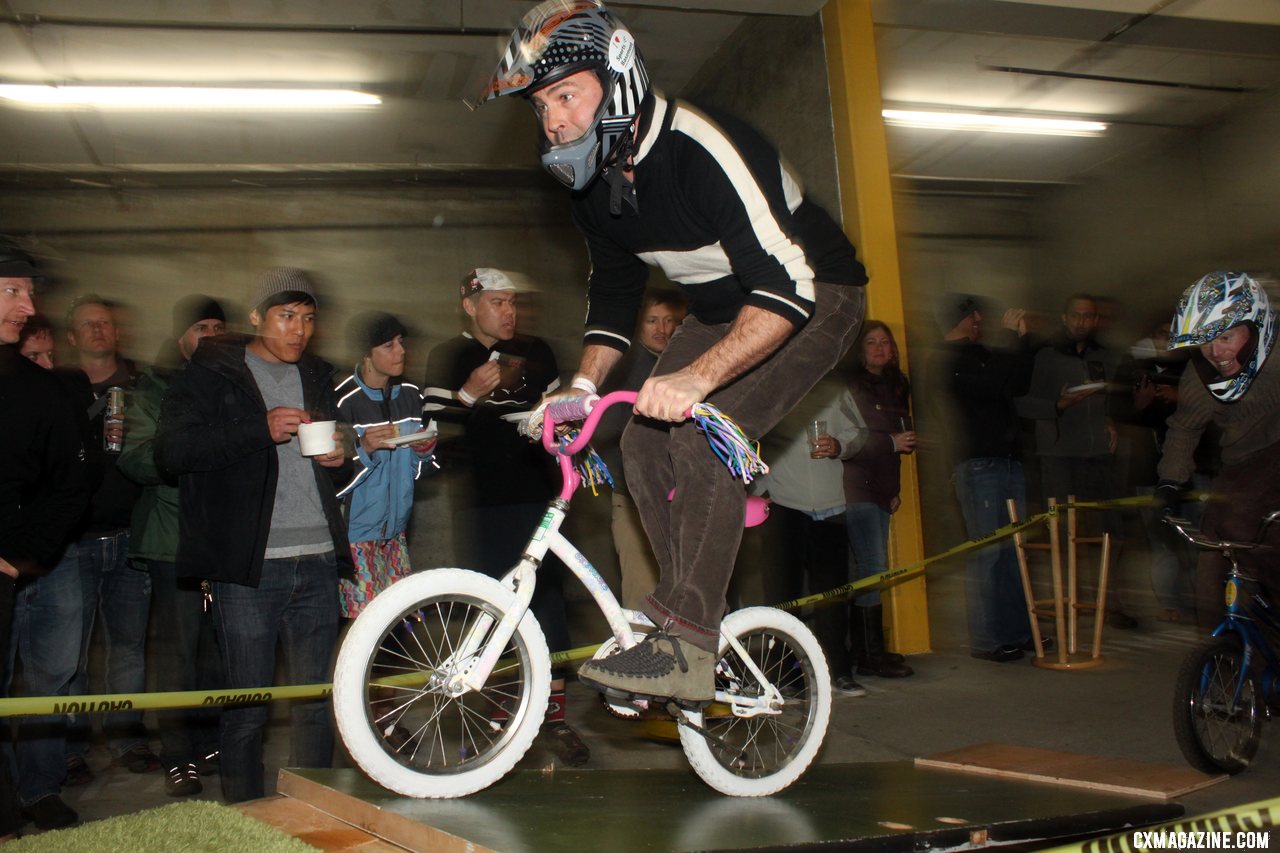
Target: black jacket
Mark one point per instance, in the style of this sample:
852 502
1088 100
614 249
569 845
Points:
506 469
213 434
44 483
981 383
873 473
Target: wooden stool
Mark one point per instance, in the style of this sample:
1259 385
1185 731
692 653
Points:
1065 605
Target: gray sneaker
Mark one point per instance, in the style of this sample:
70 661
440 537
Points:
660 667
848 687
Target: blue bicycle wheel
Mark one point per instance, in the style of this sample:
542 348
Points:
1217 709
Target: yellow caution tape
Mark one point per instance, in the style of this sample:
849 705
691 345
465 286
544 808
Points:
1246 827
903 572
102 703
156 701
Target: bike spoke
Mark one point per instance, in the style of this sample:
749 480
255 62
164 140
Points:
422 725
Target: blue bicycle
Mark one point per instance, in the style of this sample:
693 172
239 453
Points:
1225 683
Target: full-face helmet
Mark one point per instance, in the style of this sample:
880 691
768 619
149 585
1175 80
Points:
558 38
1217 302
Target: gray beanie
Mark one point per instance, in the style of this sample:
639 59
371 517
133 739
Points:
282 280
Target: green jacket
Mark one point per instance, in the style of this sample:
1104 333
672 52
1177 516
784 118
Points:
154 533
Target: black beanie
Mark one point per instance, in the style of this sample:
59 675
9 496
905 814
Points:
194 308
375 329
16 263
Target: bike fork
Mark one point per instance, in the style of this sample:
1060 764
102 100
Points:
768 702
474 677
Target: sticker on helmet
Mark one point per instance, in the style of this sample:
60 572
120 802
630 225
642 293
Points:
622 52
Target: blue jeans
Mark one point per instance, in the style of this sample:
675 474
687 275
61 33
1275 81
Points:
996 603
295 604
46 639
186 657
9 819
120 597
868 528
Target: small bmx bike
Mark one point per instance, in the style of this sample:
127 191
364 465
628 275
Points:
442 682
1224 684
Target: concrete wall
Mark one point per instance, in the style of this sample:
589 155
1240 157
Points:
773 74
398 248
1151 225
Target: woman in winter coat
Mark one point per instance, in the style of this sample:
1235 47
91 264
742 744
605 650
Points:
881 396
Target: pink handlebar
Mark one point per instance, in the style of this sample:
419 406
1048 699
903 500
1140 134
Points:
575 409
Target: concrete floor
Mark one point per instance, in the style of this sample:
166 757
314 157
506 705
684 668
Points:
1121 709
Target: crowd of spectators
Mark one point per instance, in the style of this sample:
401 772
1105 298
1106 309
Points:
192 512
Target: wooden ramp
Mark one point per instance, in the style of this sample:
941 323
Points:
1110 775
892 807
313 826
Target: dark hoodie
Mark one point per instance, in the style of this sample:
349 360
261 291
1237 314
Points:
44 486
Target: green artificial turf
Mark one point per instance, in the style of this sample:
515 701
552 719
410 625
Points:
177 828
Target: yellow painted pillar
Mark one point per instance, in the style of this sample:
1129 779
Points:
866 202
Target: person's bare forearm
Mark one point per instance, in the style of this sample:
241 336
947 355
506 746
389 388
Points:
597 361
754 336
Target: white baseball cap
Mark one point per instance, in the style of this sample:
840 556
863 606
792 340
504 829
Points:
485 278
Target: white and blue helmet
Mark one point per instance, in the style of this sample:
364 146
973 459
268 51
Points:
1221 301
558 38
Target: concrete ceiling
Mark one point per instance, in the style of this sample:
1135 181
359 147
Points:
1152 68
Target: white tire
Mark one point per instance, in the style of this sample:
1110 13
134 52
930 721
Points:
413 737
767 752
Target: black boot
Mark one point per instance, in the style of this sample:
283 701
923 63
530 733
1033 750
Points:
868 628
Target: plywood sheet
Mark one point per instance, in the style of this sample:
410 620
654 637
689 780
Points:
1114 775
313 826
370 818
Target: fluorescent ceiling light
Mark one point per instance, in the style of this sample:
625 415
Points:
185 97
993 123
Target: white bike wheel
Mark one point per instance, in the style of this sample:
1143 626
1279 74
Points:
411 736
761 755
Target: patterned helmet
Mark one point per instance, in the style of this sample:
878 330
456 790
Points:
558 38
1217 302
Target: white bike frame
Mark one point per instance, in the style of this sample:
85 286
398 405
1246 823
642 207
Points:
547 537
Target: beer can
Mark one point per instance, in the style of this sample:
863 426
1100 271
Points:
114 414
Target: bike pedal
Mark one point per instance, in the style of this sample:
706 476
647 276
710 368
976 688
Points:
619 696
622 710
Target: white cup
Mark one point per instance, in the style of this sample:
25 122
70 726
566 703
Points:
316 438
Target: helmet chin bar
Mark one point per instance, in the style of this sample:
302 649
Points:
576 163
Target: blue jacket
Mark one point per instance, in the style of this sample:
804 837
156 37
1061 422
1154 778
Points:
380 496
